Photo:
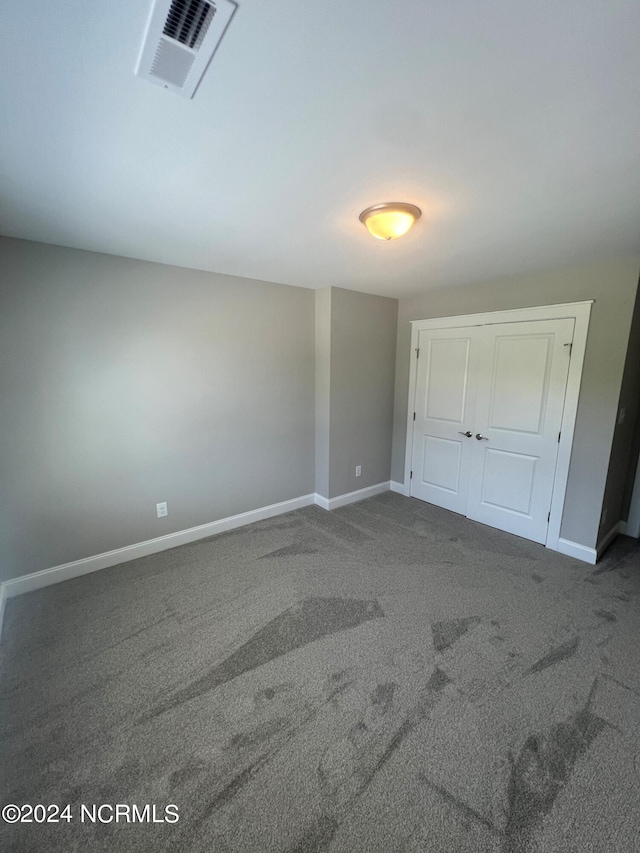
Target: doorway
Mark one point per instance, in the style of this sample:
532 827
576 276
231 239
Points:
491 415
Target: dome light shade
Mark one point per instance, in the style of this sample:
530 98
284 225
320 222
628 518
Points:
390 220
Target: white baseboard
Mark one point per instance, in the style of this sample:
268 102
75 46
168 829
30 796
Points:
56 574
608 538
578 552
352 497
398 487
67 571
590 555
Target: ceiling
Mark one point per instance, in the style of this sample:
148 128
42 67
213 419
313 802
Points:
514 126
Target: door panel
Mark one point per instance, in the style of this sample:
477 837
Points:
444 408
520 400
520 383
508 480
441 463
447 379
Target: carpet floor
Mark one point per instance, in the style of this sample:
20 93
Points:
384 677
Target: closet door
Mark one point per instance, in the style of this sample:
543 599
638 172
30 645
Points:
521 387
446 380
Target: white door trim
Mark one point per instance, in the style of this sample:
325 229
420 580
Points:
581 312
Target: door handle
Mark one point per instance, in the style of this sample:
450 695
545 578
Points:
481 437
467 433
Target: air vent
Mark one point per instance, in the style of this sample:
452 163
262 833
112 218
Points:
181 38
188 22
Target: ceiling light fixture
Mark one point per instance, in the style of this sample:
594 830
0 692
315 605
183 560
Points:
390 220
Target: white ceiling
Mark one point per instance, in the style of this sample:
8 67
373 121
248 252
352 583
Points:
515 126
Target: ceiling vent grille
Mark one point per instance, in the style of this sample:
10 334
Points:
188 22
181 38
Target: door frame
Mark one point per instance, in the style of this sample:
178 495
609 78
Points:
578 311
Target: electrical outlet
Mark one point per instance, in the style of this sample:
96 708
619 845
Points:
358 470
621 415
162 509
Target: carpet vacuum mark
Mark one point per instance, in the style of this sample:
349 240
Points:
298 626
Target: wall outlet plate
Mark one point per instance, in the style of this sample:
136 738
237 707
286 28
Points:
162 510
358 470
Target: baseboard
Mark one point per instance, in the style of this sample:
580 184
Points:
67 571
321 501
578 552
608 538
352 497
56 574
398 487
87 565
3 602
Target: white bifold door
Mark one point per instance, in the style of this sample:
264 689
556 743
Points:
488 412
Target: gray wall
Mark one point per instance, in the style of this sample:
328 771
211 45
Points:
124 383
613 285
323 388
363 346
355 368
624 451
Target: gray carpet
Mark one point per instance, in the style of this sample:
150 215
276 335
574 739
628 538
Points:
384 677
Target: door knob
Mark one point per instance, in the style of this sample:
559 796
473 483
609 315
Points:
467 433
481 437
